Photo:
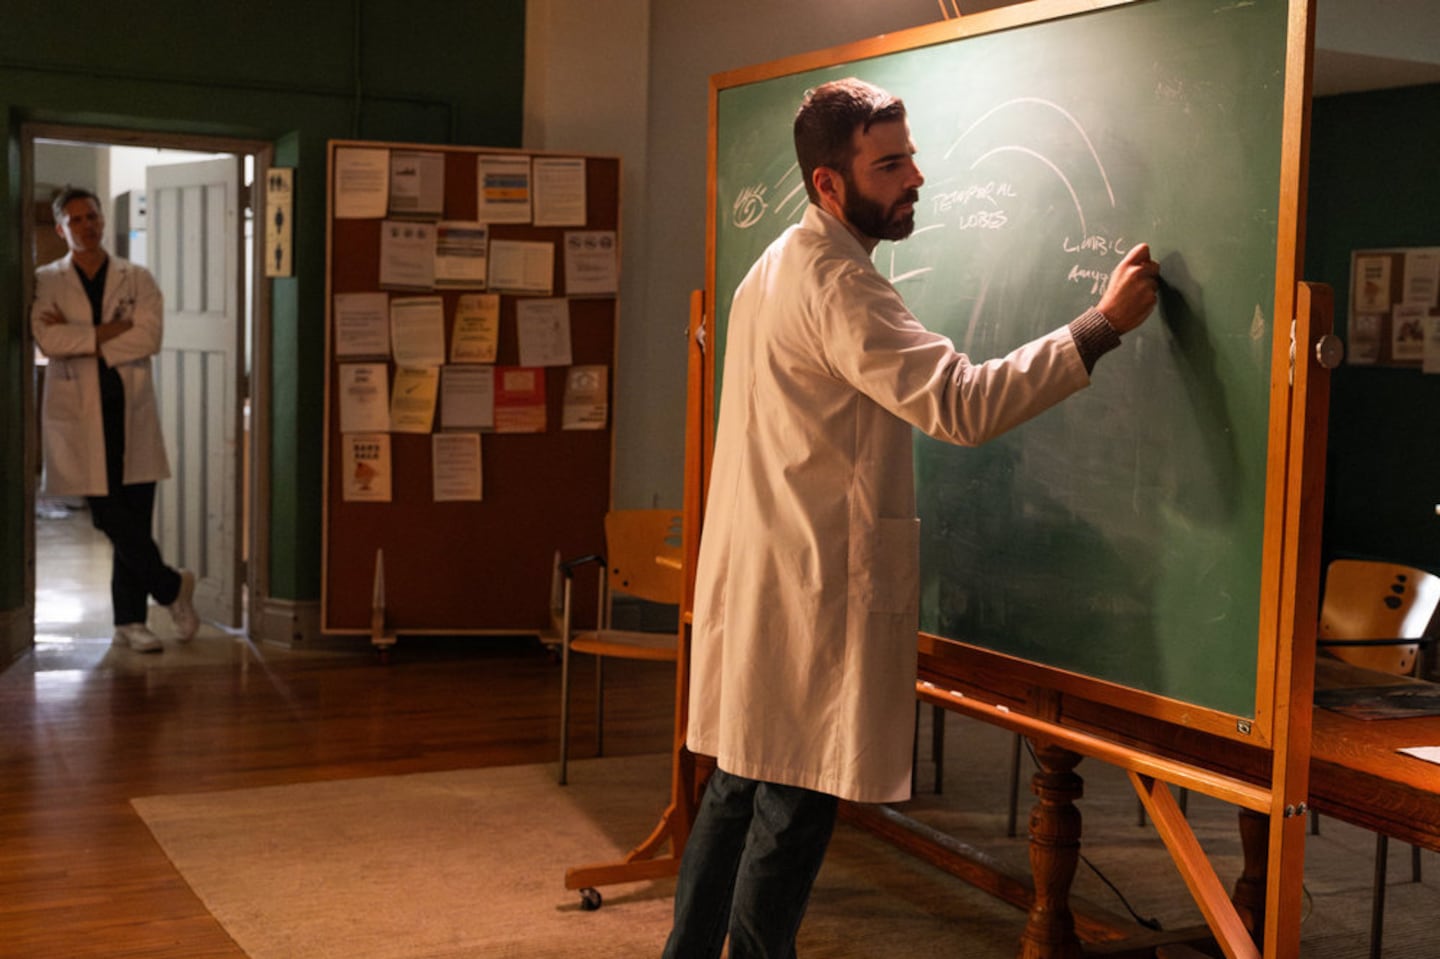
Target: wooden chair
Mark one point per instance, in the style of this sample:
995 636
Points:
1374 615
642 560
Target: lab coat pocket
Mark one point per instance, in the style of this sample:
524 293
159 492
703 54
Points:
64 400
887 566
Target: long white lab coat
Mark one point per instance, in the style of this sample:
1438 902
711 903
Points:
806 608
74 437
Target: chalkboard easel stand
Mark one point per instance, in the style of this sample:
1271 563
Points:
1269 787
688 772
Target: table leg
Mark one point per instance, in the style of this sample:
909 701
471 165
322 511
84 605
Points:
1054 855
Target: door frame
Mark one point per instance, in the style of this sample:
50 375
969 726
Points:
255 504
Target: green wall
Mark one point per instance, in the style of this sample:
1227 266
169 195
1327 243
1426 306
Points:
1373 183
434 71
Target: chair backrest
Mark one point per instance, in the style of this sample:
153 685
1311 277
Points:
1373 600
643 550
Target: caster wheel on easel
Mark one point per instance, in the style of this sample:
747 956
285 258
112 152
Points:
590 899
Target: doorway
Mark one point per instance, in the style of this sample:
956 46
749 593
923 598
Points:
182 207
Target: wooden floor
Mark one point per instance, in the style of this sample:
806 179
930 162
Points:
85 727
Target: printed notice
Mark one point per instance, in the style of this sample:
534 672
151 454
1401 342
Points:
362 178
1422 276
467 397
407 254
542 331
520 399
522 266
1407 332
417 330
504 189
1431 362
586 405
591 264
477 328
460 255
364 398
1372 284
412 403
365 463
559 191
362 324
455 466
1363 347
417 183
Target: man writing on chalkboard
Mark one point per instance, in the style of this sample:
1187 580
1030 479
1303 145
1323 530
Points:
804 643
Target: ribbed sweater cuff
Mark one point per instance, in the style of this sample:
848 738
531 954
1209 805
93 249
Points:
1094 337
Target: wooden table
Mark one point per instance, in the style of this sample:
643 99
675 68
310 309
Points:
1357 773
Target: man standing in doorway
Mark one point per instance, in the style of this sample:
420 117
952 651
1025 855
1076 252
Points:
97 318
806 608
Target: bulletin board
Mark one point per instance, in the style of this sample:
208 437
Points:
480 284
1394 309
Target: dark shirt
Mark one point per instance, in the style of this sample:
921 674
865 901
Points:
112 390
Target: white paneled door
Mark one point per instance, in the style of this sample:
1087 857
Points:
193 244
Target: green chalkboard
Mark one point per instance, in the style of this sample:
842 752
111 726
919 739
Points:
1118 536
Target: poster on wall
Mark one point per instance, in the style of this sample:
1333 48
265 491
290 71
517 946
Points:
365 467
520 399
503 189
362 182
455 467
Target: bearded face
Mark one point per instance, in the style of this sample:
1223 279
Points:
874 217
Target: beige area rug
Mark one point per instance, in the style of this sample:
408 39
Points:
446 865
471 863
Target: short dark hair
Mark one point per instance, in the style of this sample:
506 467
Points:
67 196
827 119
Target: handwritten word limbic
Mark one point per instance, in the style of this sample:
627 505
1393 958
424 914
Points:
1094 244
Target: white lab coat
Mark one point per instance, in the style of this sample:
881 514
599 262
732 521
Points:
806 609
74 437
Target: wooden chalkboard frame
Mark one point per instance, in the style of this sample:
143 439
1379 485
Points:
1279 620
468 568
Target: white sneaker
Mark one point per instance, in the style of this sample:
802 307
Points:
182 611
138 637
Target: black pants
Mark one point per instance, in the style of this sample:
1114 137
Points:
125 516
136 571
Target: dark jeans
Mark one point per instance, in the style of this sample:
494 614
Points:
125 516
136 571
747 869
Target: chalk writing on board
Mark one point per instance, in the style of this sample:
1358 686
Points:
982 205
750 205
977 192
1046 104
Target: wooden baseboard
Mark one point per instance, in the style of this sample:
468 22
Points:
287 622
